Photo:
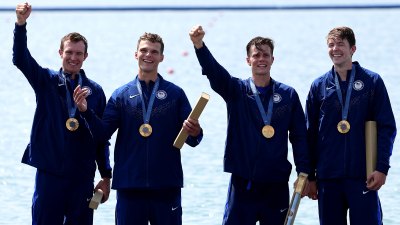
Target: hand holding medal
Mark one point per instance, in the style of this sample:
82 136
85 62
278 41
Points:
79 96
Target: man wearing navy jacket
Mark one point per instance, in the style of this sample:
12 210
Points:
262 114
148 112
338 105
61 146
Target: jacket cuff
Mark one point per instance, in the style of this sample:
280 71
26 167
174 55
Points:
106 173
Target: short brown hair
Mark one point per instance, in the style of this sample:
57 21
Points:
344 33
74 37
154 38
258 41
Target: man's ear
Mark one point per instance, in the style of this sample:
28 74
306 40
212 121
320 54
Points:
248 61
353 49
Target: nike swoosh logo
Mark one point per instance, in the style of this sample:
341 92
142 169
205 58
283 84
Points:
88 199
365 192
132 96
174 208
329 88
283 210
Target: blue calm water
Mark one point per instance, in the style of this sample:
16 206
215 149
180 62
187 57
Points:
300 56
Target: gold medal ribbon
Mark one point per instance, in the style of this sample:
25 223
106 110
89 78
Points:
344 126
145 129
268 131
72 124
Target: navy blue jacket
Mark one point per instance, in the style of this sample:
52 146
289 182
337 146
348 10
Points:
248 153
336 155
145 162
52 147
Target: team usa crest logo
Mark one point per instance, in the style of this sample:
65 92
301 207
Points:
161 94
89 90
358 85
277 98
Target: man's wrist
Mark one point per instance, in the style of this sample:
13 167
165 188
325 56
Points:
198 45
20 23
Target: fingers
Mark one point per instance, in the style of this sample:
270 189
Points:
306 190
189 124
312 191
80 98
22 8
196 31
376 180
313 196
106 195
104 186
192 127
196 35
374 185
23 11
80 94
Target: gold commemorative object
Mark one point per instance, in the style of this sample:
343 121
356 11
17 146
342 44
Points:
268 131
145 130
343 126
72 124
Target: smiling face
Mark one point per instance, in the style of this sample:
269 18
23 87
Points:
149 56
260 59
72 54
340 52
341 43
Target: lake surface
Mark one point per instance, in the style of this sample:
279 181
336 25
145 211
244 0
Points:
300 57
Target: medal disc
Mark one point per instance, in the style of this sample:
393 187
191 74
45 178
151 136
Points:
268 131
145 130
72 124
343 126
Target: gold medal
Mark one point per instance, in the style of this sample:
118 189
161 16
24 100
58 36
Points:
145 130
268 131
343 126
72 124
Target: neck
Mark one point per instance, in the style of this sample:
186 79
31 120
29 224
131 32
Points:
147 77
342 70
261 81
73 75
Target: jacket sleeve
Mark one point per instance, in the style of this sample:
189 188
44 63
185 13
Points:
220 80
103 160
194 141
185 110
386 125
103 150
103 127
23 60
312 112
298 136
